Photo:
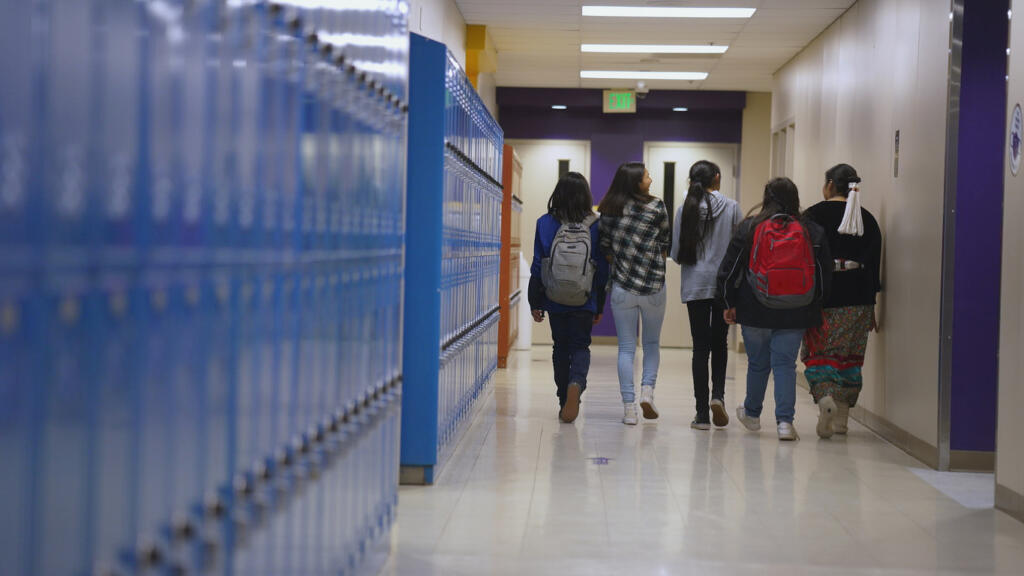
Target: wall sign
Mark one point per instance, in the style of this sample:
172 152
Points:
619 102
1016 133
896 157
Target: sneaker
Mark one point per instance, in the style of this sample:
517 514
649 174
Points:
647 402
826 412
787 432
700 423
572 403
629 413
840 423
749 422
718 414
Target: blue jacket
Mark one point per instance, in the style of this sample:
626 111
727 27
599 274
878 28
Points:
547 227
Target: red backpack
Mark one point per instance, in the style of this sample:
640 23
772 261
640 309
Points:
781 271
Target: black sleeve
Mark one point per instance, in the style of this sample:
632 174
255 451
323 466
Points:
535 293
599 297
825 263
732 267
874 253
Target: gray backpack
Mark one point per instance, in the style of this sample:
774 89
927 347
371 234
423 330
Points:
568 273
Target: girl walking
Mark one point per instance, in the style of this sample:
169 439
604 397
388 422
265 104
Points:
704 225
634 234
567 280
834 353
772 281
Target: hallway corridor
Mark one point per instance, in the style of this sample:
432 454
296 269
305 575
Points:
525 494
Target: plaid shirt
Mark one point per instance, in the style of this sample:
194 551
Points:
638 241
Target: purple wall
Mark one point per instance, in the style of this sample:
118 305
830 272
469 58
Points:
525 113
979 217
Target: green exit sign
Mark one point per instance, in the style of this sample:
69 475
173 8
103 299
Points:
619 102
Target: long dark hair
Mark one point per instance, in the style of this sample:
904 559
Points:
571 201
842 175
625 187
780 197
693 228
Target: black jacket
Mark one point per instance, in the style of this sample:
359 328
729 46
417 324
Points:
733 290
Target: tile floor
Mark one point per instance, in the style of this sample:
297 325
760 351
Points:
525 494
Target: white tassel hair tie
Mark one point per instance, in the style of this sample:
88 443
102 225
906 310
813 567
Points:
853 222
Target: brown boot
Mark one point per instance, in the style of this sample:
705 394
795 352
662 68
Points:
842 417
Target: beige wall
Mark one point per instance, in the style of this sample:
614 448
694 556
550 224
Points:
755 149
1010 450
440 20
882 67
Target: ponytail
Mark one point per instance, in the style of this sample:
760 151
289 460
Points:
693 226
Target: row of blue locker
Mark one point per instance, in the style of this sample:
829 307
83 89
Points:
470 130
193 132
466 370
334 514
472 205
132 399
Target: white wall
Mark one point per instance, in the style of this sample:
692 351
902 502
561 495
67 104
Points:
882 67
1009 450
440 20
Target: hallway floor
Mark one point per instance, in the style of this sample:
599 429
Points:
526 494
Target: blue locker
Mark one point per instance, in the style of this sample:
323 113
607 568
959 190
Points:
116 398
121 172
20 361
20 55
62 544
67 128
164 86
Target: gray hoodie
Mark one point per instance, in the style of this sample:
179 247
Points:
699 279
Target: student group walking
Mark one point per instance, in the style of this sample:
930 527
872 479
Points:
798 283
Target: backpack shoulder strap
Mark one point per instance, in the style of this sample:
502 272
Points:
589 220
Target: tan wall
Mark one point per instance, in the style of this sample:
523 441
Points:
1010 450
755 149
882 67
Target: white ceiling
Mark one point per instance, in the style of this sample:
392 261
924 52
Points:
538 41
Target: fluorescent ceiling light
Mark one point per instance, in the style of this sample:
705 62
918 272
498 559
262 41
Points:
679 109
630 75
664 12
652 49
559 107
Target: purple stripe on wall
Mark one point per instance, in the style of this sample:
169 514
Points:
979 217
525 113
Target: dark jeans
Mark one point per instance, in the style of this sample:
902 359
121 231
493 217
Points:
571 352
709 331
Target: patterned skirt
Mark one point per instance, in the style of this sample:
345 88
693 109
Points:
834 353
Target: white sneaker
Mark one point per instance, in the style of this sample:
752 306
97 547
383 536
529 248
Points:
787 432
647 402
629 413
840 424
826 412
751 423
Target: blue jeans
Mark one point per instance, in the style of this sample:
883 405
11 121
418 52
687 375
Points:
772 351
570 354
628 308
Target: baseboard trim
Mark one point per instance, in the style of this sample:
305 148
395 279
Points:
1010 501
604 340
972 461
916 447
